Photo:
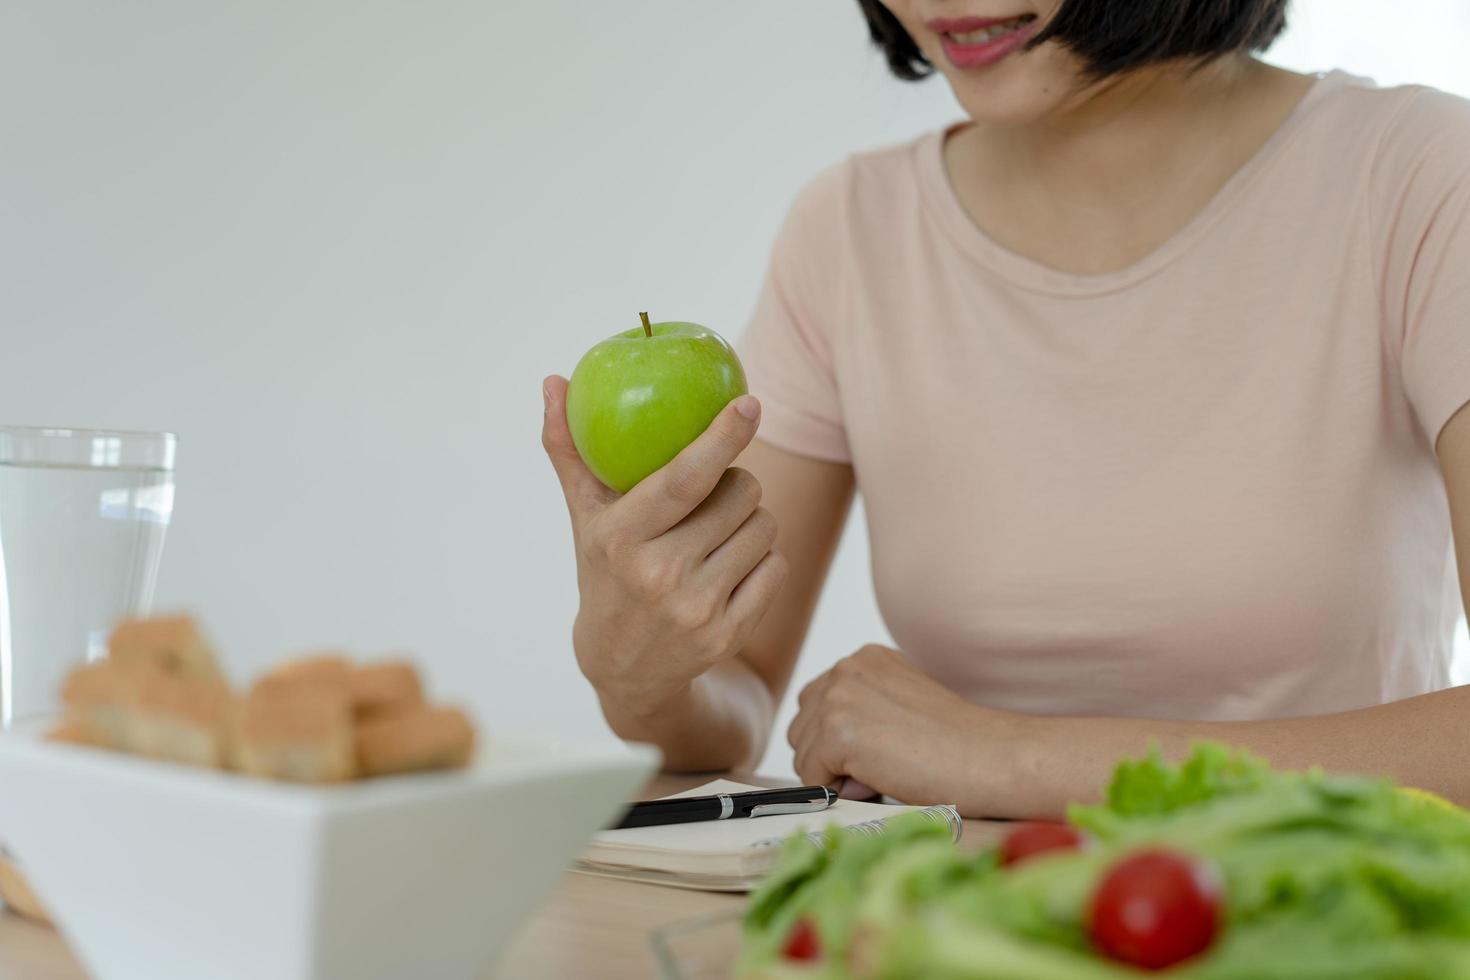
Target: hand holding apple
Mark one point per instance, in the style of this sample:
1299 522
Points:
640 396
673 575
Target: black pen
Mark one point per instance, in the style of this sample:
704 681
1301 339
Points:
725 806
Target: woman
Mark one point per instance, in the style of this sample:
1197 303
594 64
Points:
1148 373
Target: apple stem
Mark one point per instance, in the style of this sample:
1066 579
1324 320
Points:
647 327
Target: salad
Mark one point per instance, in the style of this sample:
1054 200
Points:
1216 869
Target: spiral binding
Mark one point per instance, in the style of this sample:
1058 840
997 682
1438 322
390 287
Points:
943 813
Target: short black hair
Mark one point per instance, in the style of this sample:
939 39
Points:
1115 36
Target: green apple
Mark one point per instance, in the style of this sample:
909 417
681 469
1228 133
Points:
639 397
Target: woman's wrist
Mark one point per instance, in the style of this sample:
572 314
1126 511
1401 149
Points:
718 721
1034 766
1065 760
630 698
1000 775
644 719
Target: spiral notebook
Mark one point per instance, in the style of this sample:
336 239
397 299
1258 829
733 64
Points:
730 855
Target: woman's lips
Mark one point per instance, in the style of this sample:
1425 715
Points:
981 42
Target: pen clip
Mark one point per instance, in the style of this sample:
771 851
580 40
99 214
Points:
771 809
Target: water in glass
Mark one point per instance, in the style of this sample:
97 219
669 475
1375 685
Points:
81 535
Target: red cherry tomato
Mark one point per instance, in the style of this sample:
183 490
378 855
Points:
802 943
1030 839
1155 908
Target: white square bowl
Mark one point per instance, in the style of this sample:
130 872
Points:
165 872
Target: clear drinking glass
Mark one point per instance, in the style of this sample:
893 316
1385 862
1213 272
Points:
82 518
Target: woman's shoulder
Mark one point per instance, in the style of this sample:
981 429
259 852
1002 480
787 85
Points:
867 186
1419 160
1398 148
1432 120
1361 93
1393 120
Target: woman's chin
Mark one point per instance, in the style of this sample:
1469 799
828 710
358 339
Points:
1020 90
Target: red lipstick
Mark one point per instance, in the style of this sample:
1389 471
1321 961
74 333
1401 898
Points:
1003 35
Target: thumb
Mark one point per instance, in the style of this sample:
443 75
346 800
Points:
852 789
584 492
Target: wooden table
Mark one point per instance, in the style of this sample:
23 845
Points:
587 927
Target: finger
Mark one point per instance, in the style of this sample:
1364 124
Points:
807 699
734 498
729 564
753 597
808 710
796 731
670 494
812 769
852 789
816 689
793 731
585 493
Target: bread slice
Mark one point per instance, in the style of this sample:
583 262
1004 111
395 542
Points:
383 688
182 719
415 740
141 708
302 735
172 643
374 689
97 697
329 671
17 895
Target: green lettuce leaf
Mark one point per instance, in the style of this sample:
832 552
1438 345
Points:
1324 876
1151 787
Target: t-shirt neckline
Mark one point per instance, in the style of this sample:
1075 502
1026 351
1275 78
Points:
1031 274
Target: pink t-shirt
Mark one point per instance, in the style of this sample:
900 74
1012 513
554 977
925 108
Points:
1201 487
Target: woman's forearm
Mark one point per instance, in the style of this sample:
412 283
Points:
1419 741
721 721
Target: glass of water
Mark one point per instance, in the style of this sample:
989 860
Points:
82 518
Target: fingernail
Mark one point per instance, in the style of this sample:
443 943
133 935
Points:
545 397
748 405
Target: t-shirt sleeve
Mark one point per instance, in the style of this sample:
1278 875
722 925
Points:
1421 204
787 348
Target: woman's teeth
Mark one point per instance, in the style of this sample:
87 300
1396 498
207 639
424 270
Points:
993 31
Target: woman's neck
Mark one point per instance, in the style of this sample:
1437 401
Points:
1122 165
1124 133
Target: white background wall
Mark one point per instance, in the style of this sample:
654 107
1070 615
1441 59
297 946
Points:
336 245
